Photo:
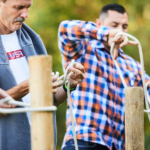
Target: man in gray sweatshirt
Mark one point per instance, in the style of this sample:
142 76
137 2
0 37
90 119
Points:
17 43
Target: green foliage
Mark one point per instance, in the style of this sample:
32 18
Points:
46 15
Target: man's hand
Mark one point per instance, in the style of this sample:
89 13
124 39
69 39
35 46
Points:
55 84
120 41
76 75
3 94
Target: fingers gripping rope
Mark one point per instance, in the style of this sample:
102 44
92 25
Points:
147 99
66 73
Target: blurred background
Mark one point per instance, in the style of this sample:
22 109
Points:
46 15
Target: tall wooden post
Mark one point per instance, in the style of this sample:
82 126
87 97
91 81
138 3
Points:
134 118
42 129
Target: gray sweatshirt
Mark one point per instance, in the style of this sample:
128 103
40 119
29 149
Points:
15 128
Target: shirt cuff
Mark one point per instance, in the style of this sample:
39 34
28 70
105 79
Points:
102 34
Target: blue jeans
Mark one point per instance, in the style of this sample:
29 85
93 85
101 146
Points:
83 145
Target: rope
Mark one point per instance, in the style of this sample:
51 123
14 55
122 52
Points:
147 100
65 81
72 117
10 100
22 110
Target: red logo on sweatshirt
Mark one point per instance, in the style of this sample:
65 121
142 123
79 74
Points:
15 54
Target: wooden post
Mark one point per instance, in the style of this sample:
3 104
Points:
42 129
134 118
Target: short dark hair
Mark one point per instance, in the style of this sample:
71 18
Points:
4 1
115 7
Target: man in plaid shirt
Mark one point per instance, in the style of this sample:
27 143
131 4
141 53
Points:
99 101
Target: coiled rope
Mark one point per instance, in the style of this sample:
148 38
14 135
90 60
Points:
147 99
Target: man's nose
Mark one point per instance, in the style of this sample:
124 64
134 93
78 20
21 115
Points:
24 15
120 27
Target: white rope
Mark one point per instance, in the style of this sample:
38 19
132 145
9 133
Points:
142 69
10 100
65 81
72 117
23 110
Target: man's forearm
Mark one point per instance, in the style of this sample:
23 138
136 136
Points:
60 96
19 91
81 31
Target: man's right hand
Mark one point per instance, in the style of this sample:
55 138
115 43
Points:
55 84
120 41
3 94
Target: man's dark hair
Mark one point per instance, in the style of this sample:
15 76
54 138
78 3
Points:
115 7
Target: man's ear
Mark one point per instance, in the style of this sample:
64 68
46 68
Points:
1 2
98 22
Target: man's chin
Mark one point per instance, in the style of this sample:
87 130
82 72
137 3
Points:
17 26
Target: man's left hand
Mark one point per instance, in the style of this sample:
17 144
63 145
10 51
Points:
120 41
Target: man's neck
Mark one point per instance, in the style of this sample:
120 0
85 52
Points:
4 30
107 47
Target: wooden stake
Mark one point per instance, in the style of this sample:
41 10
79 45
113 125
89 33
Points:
42 129
134 118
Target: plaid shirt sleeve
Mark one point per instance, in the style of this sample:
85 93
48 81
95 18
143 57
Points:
138 77
74 34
